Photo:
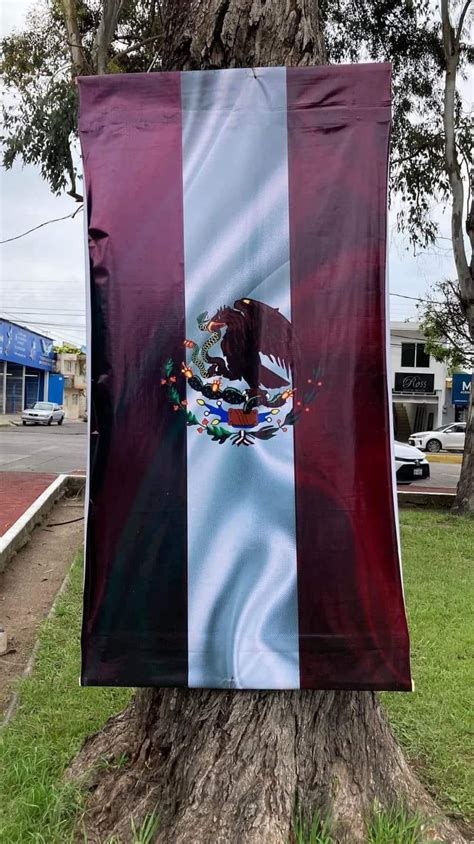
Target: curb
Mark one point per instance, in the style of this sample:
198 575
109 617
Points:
20 532
443 500
450 459
17 536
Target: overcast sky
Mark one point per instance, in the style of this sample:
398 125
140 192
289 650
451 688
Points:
42 275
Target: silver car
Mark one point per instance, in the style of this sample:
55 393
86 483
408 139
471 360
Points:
43 413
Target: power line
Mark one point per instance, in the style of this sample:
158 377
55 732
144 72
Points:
417 299
46 223
45 324
52 310
80 327
34 282
58 324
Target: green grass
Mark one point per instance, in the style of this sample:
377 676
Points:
434 724
315 829
53 718
144 834
383 826
55 715
395 826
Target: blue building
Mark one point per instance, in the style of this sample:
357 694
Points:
27 368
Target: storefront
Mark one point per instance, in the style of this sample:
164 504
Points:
461 395
418 382
26 361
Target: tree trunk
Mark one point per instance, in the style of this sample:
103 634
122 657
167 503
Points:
225 767
105 33
76 50
464 502
203 34
220 766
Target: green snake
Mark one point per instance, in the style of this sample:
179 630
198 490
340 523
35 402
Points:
202 322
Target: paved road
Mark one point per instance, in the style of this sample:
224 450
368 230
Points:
63 449
443 475
54 449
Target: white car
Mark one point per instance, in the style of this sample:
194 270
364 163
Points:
410 464
447 436
43 413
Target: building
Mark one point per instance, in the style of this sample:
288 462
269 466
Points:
419 383
458 395
27 368
72 367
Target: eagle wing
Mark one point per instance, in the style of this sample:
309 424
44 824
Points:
270 329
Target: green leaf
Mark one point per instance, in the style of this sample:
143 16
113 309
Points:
217 433
265 433
191 419
174 396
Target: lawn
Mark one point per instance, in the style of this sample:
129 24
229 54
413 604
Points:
433 724
54 717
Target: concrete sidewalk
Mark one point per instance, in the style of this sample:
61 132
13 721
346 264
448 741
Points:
18 491
10 419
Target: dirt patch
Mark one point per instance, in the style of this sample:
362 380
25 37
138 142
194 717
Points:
29 584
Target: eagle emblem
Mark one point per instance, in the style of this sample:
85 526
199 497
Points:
263 402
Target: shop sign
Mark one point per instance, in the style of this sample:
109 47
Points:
18 345
461 390
413 383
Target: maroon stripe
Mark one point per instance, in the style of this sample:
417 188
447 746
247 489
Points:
352 623
135 614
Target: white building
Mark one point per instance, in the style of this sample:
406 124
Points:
73 367
419 383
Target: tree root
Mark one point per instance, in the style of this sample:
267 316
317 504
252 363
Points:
222 767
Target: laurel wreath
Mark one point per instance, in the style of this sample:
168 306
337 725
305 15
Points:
231 395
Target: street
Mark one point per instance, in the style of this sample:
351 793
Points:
64 449
44 449
443 476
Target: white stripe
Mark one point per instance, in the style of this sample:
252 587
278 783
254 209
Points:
242 593
87 274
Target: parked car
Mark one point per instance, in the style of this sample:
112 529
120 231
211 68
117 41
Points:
447 436
410 464
43 413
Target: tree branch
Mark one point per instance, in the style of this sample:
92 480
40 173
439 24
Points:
136 46
451 51
461 21
78 59
105 33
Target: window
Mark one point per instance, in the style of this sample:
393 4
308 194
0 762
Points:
422 357
408 354
75 398
69 366
414 354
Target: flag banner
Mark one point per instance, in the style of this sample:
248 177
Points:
242 530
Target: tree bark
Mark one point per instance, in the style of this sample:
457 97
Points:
203 34
78 59
105 33
225 767
222 766
464 501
